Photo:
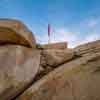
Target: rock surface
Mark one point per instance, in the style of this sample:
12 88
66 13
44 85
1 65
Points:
15 32
78 79
18 67
56 57
61 45
46 72
19 60
91 47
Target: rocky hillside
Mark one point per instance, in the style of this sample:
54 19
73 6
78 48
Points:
29 71
73 75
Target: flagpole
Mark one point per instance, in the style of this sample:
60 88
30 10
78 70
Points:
48 39
49 30
54 35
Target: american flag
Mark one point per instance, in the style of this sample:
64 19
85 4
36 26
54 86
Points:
49 30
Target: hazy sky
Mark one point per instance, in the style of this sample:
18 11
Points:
75 21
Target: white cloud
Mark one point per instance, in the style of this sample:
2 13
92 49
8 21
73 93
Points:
63 34
92 23
92 37
60 35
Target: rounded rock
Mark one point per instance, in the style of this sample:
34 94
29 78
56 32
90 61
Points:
15 32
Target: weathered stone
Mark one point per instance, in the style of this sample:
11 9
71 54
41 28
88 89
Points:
59 45
55 57
42 72
18 67
51 72
15 32
90 47
76 80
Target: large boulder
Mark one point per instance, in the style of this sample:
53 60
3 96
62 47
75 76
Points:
49 72
78 79
59 45
90 47
19 60
55 57
18 67
15 32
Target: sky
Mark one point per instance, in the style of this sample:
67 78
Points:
72 21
